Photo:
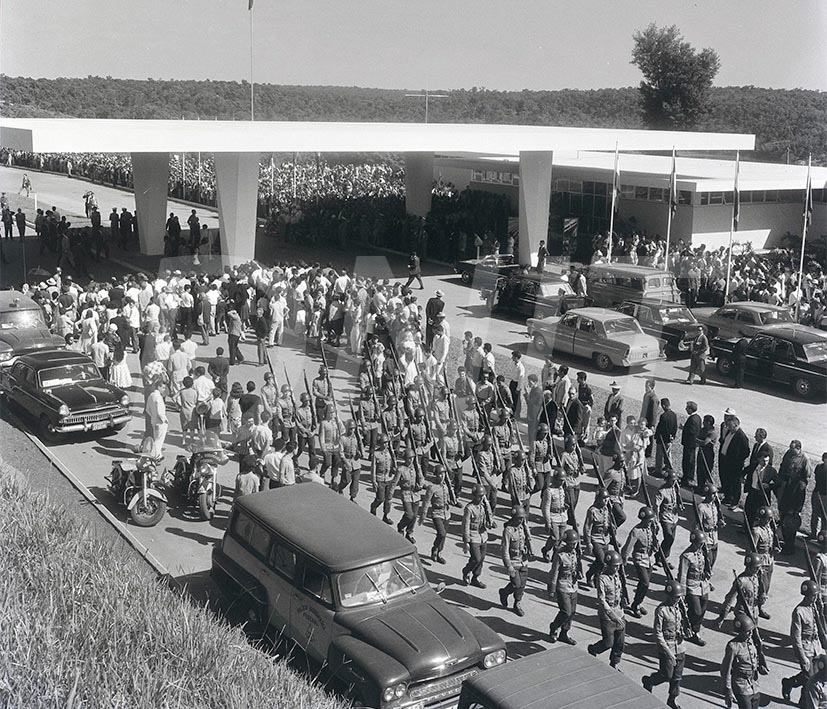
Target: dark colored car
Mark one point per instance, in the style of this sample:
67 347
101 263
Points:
741 319
304 562
64 392
23 327
795 355
671 322
554 679
478 271
532 295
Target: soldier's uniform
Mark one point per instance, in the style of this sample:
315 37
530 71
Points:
491 478
452 449
351 465
641 546
671 650
369 414
408 482
475 535
596 538
694 574
503 436
441 416
806 644
666 503
572 466
286 418
320 387
539 458
710 522
304 419
520 484
752 591
610 617
553 506
383 470
329 435
562 581
515 558
765 548
471 432
393 424
739 671
437 501
419 434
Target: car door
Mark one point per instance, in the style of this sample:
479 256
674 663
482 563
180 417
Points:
585 339
746 323
565 333
23 386
723 323
311 609
760 353
527 300
279 576
783 362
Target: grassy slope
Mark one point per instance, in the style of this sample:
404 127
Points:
85 624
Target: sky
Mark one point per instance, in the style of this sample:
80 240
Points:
414 44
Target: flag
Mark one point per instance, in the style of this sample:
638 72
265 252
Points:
673 188
736 201
808 197
250 5
615 182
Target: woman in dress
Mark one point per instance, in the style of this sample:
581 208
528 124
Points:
119 373
88 331
707 442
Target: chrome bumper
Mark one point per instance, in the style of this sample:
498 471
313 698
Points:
111 422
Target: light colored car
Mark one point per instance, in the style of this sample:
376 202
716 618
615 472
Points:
742 319
607 337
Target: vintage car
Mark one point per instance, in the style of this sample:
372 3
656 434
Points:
23 327
64 392
742 319
481 270
609 284
610 339
554 679
795 355
672 322
306 564
532 295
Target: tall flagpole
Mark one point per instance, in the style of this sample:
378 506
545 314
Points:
252 99
673 206
808 214
615 186
733 225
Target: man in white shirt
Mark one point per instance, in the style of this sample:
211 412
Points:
278 312
203 385
516 383
156 411
342 283
439 350
272 462
189 348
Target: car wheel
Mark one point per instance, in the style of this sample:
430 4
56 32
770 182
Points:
725 366
803 387
540 343
603 362
45 430
465 277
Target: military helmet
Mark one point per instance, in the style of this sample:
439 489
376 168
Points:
543 428
390 399
670 478
381 438
763 513
752 560
419 412
557 473
612 558
517 455
646 514
674 589
601 495
487 439
697 536
820 663
571 537
822 540
494 417
478 490
408 453
518 511
744 623
710 489
808 588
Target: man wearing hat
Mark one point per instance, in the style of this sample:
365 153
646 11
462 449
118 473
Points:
668 626
475 525
741 666
804 637
516 554
699 350
610 610
614 403
433 307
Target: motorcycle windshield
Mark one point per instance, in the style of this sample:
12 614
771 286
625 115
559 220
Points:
208 443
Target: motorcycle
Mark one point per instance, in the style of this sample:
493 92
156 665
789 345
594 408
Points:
196 477
136 482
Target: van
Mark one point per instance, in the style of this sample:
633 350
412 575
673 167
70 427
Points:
23 328
322 572
609 284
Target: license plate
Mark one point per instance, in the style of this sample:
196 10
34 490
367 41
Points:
644 355
98 425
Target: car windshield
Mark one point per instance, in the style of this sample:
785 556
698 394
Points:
669 316
68 374
22 320
621 325
552 290
815 351
380 582
775 316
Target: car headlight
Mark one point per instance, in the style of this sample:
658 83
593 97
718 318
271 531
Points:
395 692
492 659
125 401
63 410
5 355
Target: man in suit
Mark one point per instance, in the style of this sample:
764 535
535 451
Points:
689 441
760 447
649 411
739 360
235 331
219 369
732 455
665 433
758 474
614 404
433 307
534 405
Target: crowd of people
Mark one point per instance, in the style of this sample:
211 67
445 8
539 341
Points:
439 425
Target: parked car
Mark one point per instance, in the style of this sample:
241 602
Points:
609 284
532 295
554 679
794 355
23 327
742 319
480 270
337 581
672 322
608 338
64 392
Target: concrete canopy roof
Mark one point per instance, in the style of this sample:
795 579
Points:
78 135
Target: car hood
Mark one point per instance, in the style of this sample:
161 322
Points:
28 339
422 635
80 397
703 313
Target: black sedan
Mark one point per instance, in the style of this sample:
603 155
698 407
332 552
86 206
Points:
795 355
64 392
532 295
478 271
671 322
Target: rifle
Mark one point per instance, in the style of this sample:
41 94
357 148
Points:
360 448
489 515
613 539
550 433
687 626
773 524
498 456
704 548
452 495
819 602
752 546
292 398
528 550
312 403
648 500
272 371
339 426
756 636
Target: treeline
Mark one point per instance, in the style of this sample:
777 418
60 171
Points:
780 119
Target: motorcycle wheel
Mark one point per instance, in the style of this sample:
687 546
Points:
206 504
150 514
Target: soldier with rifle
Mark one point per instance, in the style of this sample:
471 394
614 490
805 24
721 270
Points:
485 467
321 390
286 413
382 476
610 603
451 451
352 455
520 481
571 461
566 571
669 635
471 427
391 420
330 446
516 555
419 438
476 521
502 433
764 537
539 457
710 520
440 411
641 545
694 574
741 666
409 482
553 505
667 504
807 636
596 528
305 425
368 414
437 501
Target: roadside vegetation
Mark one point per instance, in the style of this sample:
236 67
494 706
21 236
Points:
85 624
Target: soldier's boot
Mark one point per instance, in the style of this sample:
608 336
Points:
673 703
786 688
476 582
762 613
593 649
566 638
646 681
552 633
518 609
504 597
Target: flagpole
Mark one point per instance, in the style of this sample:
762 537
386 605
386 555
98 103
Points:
807 197
612 213
735 207
252 98
673 201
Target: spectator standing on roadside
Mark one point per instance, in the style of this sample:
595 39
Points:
699 349
235 331
156 411
414 271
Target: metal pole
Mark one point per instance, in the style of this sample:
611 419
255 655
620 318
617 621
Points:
252 98
731 231
184 175
673 192
807 193
615 185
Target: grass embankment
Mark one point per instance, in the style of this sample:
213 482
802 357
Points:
85 625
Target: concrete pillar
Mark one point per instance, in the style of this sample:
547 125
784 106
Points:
535 194
150 172
236 179
419 181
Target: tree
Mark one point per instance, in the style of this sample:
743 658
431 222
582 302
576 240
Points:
677 80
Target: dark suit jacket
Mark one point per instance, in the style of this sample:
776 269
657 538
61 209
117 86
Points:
691 431
667 427
574 417
433 307
219 370
737 452
757 452
614 407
